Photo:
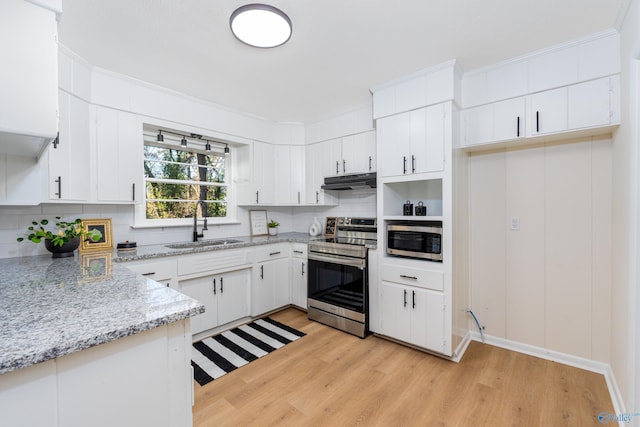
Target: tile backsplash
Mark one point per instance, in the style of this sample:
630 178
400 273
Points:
14 220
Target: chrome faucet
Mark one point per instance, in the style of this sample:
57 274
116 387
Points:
195 220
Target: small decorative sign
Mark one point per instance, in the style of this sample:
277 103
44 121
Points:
258 220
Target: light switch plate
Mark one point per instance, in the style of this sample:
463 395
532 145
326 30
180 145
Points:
515 223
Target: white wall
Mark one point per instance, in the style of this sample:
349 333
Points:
625 351
547 284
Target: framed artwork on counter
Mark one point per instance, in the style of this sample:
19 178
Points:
258 220
105 242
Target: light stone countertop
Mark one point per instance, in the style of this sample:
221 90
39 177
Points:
53 307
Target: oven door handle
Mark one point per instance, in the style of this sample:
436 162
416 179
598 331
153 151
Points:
352 262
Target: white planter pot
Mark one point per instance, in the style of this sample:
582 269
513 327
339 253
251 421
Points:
273 231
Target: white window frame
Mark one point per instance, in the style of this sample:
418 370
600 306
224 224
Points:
140 215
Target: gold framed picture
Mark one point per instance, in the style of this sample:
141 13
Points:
103 226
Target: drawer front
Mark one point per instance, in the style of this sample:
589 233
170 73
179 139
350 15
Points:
269 252
212 261
299 250
427 279
156 270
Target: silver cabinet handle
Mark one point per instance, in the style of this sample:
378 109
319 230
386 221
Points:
408 277
298 197
302 268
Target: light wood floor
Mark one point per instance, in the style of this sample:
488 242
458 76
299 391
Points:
330 378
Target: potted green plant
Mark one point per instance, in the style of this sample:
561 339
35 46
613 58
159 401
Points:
273 227
66 238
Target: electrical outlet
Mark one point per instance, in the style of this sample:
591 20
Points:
515 223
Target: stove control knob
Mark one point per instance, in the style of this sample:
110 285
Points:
348 221
341 221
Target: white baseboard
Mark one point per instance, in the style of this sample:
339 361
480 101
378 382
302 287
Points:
565 359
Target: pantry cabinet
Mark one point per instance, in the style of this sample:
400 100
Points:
414 141
118 140
413 315
225 296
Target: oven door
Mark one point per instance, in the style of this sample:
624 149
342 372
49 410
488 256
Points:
338 282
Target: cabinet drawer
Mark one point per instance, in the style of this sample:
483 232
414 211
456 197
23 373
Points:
299 250
156 270
428 279
212 261
269 252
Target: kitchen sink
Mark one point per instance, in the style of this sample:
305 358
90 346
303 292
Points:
202 244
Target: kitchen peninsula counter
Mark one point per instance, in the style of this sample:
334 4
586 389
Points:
53 307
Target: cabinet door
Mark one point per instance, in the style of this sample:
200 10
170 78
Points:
233 295
394 133
508 119
281 282
69 159
29 74
315 167
548 112
331 156
358 152
289 174
427 319
477 125
202 289
263 173
299 282
589 104
119 156
395 311
262 289
427 139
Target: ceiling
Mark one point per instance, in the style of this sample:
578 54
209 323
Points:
339 48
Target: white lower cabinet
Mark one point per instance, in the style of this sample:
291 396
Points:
413 315
163 271
270 288
225 296
299 273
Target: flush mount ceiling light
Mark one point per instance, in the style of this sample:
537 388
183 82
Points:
260 25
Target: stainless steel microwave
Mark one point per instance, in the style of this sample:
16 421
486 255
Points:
417 240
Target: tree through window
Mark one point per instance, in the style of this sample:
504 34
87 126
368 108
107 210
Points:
177 178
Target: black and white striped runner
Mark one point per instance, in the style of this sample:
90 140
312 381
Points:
213 357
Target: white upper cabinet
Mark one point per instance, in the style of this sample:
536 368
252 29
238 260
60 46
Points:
289 174
412 142
315 169
359 153
586 105
119 146
579 107
28 78
257 187
69 157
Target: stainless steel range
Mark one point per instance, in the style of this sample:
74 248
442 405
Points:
338 282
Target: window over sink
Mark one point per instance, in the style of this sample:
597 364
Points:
178 174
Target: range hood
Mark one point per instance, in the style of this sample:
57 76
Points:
350 182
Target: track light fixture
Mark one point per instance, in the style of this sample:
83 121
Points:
196 139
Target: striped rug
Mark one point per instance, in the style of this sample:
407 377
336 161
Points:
213 357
